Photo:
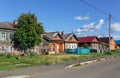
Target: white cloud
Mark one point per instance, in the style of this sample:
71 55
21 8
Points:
81 18
116 37
90 27
101 22
115 27
79 30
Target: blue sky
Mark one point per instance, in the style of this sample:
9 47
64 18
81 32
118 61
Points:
66 15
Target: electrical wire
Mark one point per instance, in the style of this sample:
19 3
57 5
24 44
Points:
94 7
105 13
99 10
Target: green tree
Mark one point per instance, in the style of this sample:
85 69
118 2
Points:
28 32
85 46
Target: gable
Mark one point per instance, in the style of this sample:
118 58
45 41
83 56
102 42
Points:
95 40
56 37
45 42
112 41
72 38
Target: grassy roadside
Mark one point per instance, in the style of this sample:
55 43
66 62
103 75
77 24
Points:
10 62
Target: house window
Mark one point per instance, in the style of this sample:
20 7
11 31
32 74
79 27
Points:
72 46
75 46
3 36
3 49
37 49
11 48
69 46
11 35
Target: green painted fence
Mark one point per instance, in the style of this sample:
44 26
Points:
118 49
78 51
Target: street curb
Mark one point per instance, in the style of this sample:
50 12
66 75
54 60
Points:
94 60
22 76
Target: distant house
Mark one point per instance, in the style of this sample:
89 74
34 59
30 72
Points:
104 47
53 42
6 37
71 41
92 41
105 40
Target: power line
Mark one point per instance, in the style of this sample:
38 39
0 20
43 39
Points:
94 8
104 14
99 10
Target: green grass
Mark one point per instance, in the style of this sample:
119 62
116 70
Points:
10 62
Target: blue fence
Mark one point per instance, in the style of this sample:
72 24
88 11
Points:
118 50
78 51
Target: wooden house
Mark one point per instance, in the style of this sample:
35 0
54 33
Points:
104 47
70 40
52 42
92 41
6 37
105 40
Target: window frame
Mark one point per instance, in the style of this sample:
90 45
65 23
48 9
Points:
3 36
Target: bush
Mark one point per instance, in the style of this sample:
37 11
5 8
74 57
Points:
1 54
32 53
108 53
85 46
9 55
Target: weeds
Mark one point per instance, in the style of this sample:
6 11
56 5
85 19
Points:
9 61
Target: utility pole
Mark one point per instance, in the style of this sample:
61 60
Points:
109 30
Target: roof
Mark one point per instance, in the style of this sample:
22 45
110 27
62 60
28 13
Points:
51 35
117 42
86 39
67 36
105 39
6 25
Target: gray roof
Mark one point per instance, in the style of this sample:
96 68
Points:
49 35
6 25
67 36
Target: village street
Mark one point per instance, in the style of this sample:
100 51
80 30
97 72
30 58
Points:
104 69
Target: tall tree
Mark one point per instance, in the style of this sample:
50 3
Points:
28 32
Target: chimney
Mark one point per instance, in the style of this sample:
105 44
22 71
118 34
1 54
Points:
15 22
62 33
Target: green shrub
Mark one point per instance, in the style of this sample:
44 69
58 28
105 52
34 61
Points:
85 46
32 53
1 54
9 55
108 53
